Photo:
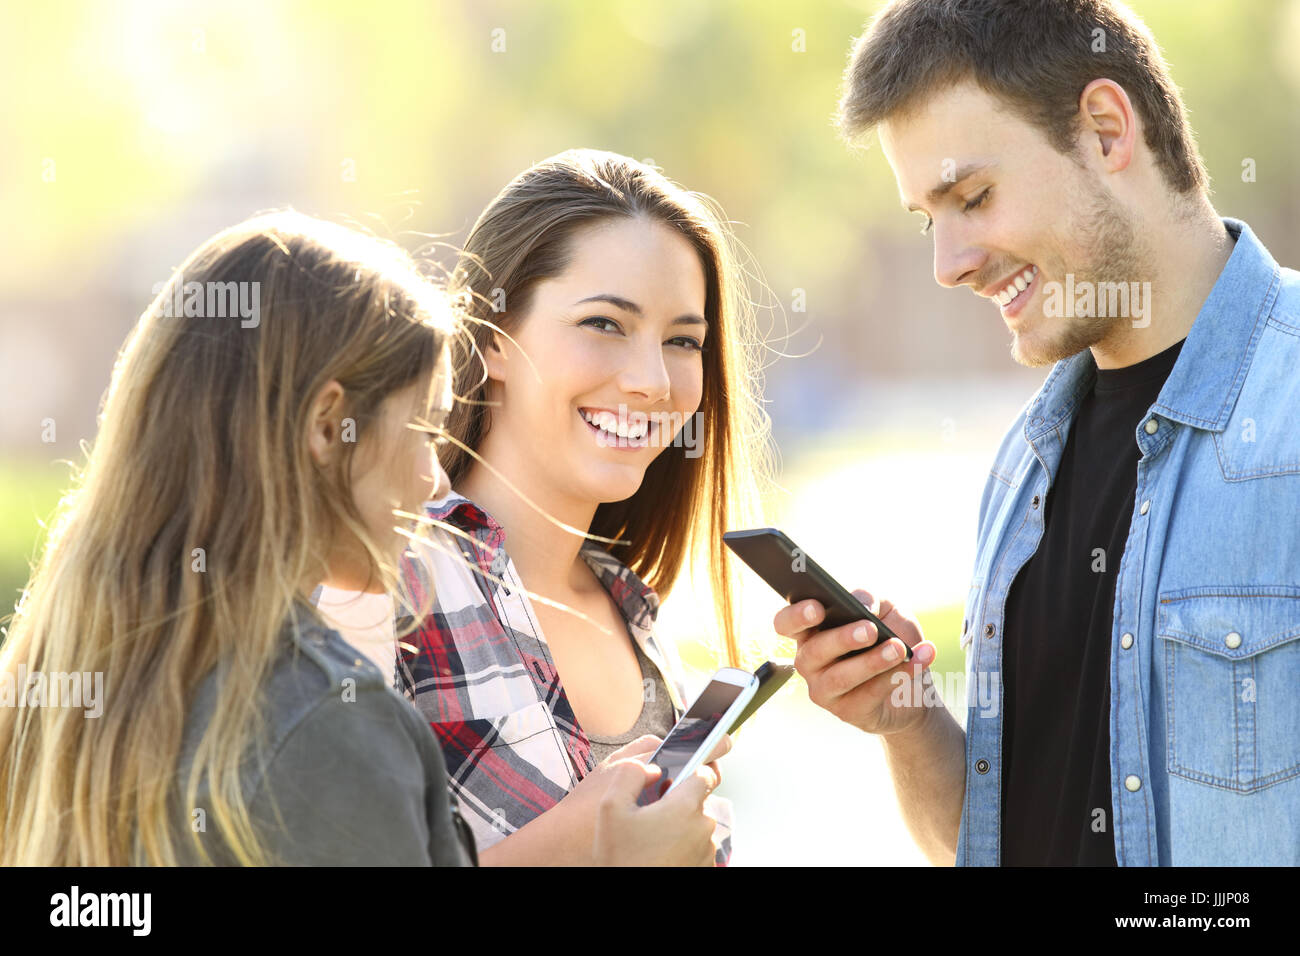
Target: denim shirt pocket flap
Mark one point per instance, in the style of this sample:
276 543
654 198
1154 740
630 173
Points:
1231 668
1235 623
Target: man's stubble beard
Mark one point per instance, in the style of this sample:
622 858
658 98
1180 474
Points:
1114 254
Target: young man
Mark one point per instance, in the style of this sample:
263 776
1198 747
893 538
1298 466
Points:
1133 624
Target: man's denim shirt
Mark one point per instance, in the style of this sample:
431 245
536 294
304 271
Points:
1205 640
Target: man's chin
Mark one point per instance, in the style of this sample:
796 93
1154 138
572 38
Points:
1033 348
1031 354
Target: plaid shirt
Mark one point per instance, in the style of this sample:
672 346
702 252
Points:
479 670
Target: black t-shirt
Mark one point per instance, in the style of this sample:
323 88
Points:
1056 807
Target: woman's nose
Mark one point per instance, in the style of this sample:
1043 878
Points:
646 374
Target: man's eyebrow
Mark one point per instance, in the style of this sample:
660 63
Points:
941 190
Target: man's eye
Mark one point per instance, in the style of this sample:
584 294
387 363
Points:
977 201
925 230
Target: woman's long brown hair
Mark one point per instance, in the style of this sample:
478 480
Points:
202 445
684 503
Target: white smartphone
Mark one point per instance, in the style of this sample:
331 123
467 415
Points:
689 743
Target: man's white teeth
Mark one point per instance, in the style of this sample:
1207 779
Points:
1016 286
609 422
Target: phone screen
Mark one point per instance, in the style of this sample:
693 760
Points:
691 731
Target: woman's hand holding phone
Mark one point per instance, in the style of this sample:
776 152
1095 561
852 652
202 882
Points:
581 830
860 690
672 831
600 812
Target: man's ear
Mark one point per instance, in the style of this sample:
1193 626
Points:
1110 126
494 357
325 424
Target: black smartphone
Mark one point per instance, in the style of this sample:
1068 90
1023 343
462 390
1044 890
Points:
771 676
796 577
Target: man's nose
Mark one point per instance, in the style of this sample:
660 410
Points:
956 258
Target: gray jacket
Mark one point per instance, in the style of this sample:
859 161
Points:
353 770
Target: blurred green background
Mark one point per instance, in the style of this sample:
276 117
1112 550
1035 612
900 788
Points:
134 130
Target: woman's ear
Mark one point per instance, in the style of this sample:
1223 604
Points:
326 427
494 358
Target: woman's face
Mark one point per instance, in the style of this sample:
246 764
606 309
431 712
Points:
395 468
611 365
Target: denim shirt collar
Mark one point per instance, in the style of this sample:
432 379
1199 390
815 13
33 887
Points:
1204 384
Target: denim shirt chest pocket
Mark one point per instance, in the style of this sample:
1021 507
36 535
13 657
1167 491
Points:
1231 665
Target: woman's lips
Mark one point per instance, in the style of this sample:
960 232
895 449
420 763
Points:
608 439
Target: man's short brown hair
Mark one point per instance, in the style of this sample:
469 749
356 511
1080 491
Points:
1038 55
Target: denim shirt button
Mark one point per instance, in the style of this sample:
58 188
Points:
988 630
1233 640
981 766
1126 641
1152 426
1133 783
1034 503
1146 505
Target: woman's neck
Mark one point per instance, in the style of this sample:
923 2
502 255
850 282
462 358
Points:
544 554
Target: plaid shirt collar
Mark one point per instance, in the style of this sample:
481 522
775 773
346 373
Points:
637 602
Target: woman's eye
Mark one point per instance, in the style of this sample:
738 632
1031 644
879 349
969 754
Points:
687 342
601 323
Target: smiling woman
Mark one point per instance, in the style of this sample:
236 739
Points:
607 423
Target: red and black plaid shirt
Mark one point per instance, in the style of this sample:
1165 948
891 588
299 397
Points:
478 668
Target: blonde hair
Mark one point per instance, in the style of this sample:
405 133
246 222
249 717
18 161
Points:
684 503
201 446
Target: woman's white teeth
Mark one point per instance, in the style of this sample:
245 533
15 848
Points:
609 422
1016 286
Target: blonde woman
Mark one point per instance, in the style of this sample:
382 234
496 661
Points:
609 390
242 459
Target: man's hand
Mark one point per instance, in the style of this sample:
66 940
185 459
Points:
861 690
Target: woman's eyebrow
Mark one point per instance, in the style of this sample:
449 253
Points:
618 301
627 305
